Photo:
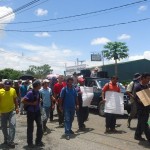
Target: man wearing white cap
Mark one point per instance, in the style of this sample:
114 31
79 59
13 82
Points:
47 98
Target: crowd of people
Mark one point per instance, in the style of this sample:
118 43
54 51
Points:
37 100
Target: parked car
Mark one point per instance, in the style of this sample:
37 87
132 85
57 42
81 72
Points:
97 84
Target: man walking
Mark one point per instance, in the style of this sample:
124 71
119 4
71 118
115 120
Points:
32 102
47 98
110 118
130 91
57 89
142 111
68 102
8 110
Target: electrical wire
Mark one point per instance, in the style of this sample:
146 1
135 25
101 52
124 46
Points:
77 29
79 15
20 8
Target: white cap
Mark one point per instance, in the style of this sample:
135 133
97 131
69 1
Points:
45 81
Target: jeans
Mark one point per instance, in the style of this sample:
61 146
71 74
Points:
142 125
68 117
110 120
10 117
31 117
45 115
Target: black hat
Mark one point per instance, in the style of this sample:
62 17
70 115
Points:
36 83
8 83
136 76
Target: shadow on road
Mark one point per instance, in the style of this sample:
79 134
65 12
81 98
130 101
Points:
145 144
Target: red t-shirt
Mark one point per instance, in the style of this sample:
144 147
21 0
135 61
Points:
111 87
58 87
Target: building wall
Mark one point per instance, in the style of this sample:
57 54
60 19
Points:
128 69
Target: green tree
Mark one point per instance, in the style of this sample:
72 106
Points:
39 71
116 51
9 73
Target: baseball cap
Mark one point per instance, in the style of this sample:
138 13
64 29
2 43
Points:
36 83
45 81
8 83
136 76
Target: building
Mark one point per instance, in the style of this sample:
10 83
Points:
126 70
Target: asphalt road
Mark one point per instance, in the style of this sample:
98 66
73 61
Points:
93 138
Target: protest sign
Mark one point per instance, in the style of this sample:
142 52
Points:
87 95
144 96
114 103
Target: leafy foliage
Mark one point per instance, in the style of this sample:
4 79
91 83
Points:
116 50
9 73
35 71
39 71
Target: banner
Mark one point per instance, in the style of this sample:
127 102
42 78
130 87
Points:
87 95
144 96
114 103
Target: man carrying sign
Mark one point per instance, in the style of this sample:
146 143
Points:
142 111
110 118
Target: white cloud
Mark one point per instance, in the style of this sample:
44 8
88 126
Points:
42 34
99 41
53 55
4 21
39 55
41 12
124 37
142 8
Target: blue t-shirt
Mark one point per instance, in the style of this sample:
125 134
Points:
23 90
69 96
31 96
46 96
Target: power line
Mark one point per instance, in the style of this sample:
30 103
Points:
83 14
79 29
20 8
32 7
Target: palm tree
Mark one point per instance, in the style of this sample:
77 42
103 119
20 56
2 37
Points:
116 50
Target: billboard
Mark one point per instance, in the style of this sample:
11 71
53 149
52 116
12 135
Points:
96 57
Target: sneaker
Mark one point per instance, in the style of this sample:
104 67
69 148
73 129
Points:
11 145
107 130
5 143
67 137
40 144
81 129
114 130
139 138
30 146
71 132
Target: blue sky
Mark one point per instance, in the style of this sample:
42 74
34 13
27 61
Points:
19 50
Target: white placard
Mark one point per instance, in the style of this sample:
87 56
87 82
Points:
87 95
114 103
